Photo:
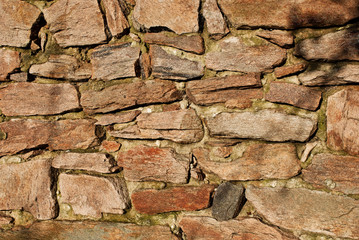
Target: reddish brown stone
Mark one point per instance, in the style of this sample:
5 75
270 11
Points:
289 14
76 22
9 61
289 70
194 43
293 94
17 19
91 196
28 99
216 25
222 142
177 15
110 146
342 121
281 38
173 199
171 107
129 95
122 117
28 186
260 161
335 172
222 152
116 20
144 163
24 134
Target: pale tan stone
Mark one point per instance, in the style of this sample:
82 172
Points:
9 61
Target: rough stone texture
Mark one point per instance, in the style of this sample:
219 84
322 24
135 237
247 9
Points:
281 38
28 99
5 220
227 201
181 126
91 196
116 20
328 74
152 201
127 95
28 186
289 70
24 134
216 25
110 146
288 14
144 163
19 77
341 45
18 17
66 230
177 15
293 94
196 228
194 44
268 125
342 121
63 67
96 162
259 161
333 171
172 67
312 211
114 61
235 55
223 89
9 61
76 23
122 117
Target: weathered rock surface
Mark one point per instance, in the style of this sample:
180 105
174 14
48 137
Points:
127 95
19 77
9 61
66 230
328 74
293 94
259 161
5 220
110 146
114 61
181 126
343 121
279 37
334 171
235 55
223 89
268 125
96 162
227 201
196 228
17 19
91 196
144 163
288 14
28 186
194 44
312 211
216 25
168 66
177 15
63 67
76 23
116 19
24 134
341 45
289 70
151 201
28 99
122 117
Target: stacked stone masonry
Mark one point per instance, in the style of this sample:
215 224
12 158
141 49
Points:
196 119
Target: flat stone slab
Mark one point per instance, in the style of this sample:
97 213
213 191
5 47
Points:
116 19
122 117
278 37
216 25
289 70
9 61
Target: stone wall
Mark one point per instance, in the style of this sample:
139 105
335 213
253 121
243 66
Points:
196 119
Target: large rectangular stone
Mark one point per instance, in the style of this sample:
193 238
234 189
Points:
9 61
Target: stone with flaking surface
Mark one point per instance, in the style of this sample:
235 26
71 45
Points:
151 201
235 55
259 161
91 196
289 70
216 25
116 19
110 146
279 37
27 99
311 211
9 61
144 163
17 19
122 117
269 125
28 186
76 22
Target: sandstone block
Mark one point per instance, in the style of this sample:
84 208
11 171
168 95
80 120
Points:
110 146
116 19
216 25
9 61
279 37
122 117
289 70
